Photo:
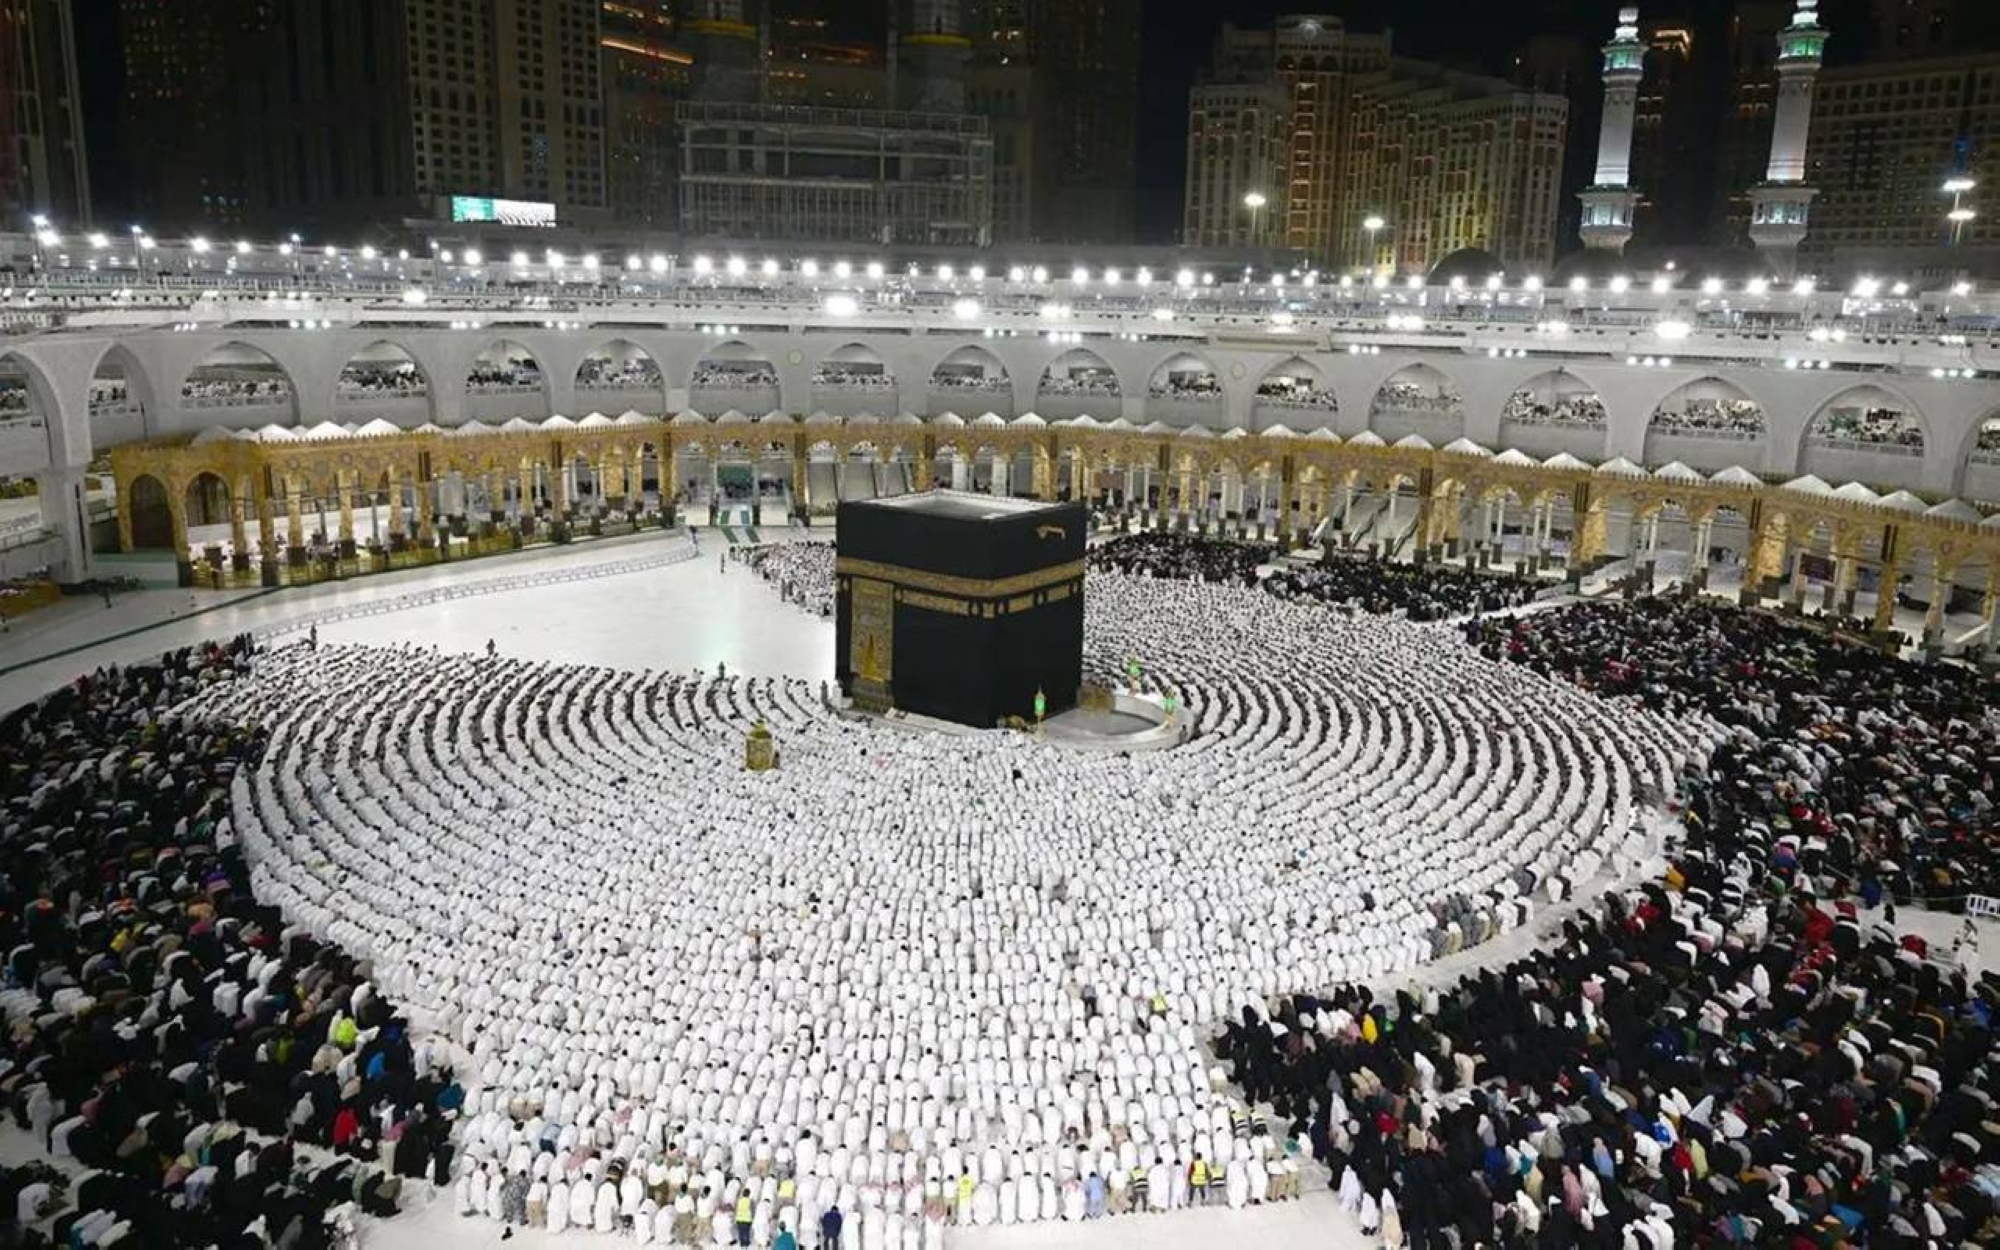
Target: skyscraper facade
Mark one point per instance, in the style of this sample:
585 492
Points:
1436 160
1089 52
919 174
1450 161
1885 139
1239 156
646 74
43 171
549 102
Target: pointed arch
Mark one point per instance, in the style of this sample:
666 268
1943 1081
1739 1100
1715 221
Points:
27 408
1292 387
1870 433
506 379
121 400
1418 399
152 519
1554 397
1869 415
384 379
1979 466
1708 424
1077 383
624 372
1184 374
205 502
852 379
237 379
1554 411
972 371
734 374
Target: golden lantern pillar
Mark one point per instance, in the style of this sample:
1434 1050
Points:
1704 530
1943 570
295 513
396 535
239 527
1288 486
609 487
1768 547
559 471
760 750
343 485
426 534
1840 595
267 526
1427 509
1885 596
1587 525
1989 612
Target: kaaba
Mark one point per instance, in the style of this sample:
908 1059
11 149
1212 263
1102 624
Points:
958 606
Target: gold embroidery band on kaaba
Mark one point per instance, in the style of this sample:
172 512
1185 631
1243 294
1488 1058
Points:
962 587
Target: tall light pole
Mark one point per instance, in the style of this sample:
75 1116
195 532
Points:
1956 187
45 238
1373 224
1255 202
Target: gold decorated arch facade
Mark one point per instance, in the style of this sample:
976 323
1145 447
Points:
1310 477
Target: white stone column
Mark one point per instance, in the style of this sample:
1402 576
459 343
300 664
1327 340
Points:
64 510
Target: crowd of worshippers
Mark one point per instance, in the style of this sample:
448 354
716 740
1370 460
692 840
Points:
1183 557
1584 410
967 380
1713 1061
802 573
558 863
841 376
518 373
1412 397
194 1071
1186 385
235 390
604 373
382 378
1285 392
1101 382
1420 592
741 374
1855 771
1711 416
1874 426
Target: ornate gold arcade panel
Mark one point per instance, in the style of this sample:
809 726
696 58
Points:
274 499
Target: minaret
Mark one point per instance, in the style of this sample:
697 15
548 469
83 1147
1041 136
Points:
932 53
1609 200
1779 206
727 59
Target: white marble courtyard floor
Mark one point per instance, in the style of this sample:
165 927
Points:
680 616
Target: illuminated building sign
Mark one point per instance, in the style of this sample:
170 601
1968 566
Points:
502 212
